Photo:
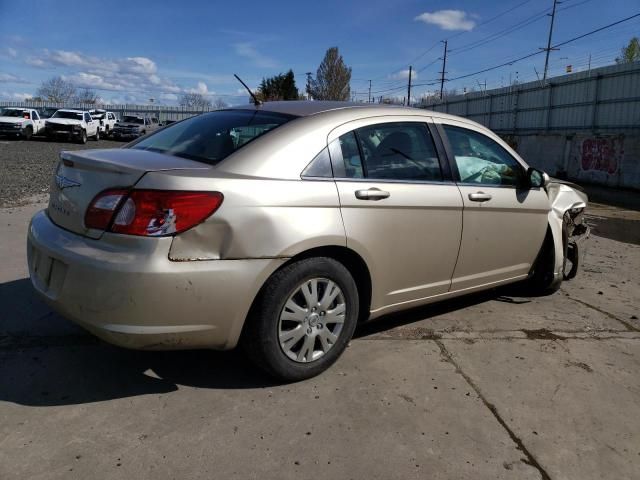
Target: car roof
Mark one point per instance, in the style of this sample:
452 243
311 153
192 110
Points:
71 110
305 108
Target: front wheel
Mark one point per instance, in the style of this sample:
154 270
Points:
83 137
28 133
97 135
303 319
542 280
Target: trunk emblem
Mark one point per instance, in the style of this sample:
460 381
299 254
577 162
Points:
64 182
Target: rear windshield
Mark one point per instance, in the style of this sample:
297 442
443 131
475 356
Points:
211 137
70 115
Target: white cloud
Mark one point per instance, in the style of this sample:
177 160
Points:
201 88
448 19
247 50
10 52
404 75
168 97
120 74
15 96
8 78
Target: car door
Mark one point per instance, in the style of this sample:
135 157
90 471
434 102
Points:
402 213
92 126
38 124
504 220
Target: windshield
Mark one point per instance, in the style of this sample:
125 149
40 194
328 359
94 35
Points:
70 115
211 137
12 112
128 119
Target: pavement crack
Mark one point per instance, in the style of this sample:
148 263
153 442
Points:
627 325
530 459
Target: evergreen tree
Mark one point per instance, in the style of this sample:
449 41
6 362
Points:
332 79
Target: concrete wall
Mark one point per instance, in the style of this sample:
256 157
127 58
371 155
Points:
610 159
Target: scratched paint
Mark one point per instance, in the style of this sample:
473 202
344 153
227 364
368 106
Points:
602 154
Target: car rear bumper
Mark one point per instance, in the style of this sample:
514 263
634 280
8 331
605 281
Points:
126 291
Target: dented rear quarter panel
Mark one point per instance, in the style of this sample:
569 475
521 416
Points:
259 217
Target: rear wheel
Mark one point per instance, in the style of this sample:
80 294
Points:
303 319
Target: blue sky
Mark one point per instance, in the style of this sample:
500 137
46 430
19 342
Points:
136 50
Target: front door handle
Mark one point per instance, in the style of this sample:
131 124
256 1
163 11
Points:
479 197
372 194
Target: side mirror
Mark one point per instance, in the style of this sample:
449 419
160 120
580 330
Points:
537 178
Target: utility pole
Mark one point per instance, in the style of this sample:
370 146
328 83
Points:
409 87
369 91
444 66
548 49
308 74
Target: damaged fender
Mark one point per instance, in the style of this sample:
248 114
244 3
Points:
566 221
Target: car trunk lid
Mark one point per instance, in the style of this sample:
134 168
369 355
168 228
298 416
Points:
81 175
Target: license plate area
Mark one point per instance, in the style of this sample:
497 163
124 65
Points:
47 273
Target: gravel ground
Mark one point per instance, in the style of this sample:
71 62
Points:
26 166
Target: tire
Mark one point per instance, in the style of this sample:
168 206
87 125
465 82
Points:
97 135
28 133
542 281
318 340
83 137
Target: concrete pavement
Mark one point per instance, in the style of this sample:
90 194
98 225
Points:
489 386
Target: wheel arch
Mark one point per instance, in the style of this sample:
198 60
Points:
351 260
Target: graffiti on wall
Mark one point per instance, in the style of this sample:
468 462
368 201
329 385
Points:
602 154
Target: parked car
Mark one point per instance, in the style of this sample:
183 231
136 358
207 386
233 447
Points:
73 125
106 121
20 122
280 227
167 122
133 126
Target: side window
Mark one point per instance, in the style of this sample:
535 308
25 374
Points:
320 166
87 117
34 115
345 150
480 159
110 116
399 151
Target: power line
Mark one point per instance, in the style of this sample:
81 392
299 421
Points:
511 62
413 61
494 36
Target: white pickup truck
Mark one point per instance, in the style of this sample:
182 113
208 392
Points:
72 124
21 122
106 120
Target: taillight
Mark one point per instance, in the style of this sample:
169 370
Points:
151 213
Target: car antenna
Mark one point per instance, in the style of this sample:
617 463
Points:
253 95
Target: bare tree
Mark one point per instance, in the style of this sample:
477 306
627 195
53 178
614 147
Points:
87 96
194 100
332 79
57 89
218 104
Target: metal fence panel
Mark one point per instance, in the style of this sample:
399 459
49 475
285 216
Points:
606 98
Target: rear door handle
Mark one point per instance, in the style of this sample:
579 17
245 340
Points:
479 197
372 194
